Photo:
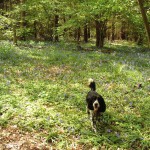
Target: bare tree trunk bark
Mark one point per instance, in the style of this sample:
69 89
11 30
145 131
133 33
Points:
100 33
2 5
85 34
56 26
97 33
78 34
145 19
122 31
14 35
89 32
22 24
113 31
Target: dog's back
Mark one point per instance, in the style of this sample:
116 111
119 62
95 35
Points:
91 97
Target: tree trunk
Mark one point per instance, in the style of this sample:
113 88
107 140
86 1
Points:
100 33
10 5
77 34
147 27
56 26
97 33
35 30
113 31
65 30
14 35
89 32
51 33
22 24
2 5
122 32
85 34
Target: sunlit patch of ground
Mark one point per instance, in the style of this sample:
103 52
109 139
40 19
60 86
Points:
12 138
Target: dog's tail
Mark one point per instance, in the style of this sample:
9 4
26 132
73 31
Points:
91 84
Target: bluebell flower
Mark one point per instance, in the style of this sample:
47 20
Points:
109 130
57 115
61 121
48 118
8 82
130 104
117 134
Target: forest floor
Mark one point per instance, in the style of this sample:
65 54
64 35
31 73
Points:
42 96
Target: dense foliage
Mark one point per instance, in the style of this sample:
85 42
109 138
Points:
78 20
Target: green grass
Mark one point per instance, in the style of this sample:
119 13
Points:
43 87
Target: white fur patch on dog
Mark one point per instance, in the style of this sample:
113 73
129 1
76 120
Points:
90 81
96 103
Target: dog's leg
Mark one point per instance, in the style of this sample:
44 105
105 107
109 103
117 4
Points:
100 117
92 117
94 123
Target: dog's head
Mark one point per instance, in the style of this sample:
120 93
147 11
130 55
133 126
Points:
96 105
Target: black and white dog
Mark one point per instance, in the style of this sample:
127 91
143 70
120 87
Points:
95 104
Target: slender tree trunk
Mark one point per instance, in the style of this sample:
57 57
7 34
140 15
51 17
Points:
89 32
13 24
65 30
5 6
147 27
97 33
135 36
78 34
100 33
113 31
122 32
75 35
22 24
35 30
56 26
85 34
2 5
50 29
51 33
10 4
14 35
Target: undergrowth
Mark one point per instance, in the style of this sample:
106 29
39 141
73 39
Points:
43 87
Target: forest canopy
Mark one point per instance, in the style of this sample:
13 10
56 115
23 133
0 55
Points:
76 20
